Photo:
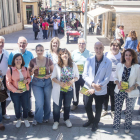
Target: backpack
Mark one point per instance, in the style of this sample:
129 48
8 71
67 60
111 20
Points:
11 70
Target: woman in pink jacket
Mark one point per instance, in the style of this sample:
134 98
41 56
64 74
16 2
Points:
17 81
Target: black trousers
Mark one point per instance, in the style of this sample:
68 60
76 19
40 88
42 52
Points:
3 104
98 106
78 84
110 93
36 33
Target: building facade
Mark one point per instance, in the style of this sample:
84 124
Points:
11 16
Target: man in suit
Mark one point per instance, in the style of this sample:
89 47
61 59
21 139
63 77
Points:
96 74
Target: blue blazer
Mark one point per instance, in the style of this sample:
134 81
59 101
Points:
102 76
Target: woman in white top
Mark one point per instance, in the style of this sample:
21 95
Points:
54 48
126 71
55 27
64 76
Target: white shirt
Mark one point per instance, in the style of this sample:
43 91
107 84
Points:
55 26
21 75
4 62
115 59
118 32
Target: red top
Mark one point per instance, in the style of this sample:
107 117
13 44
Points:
45 25
73 32
122 32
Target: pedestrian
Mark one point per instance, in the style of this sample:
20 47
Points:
45 29
122 31
2 127
64 75
55 27
98 32
54 49
97 71
92 25
27 56
80 56
42 68
35 29
114 56
50 27
131 41
17 81
76 24
126 71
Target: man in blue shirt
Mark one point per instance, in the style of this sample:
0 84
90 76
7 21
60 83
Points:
80 56
27 56
96 74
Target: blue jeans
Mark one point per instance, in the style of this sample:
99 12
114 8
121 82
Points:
20 99
0 113
29 97
66 97
42 89
45 35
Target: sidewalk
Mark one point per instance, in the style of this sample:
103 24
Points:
78 117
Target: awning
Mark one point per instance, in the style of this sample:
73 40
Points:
97 12
127 10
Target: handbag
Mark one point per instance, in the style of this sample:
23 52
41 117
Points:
134 93
3 95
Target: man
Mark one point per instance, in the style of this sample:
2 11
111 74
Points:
92 24
50 27
80 56
45 26
27 56
96 74
4 55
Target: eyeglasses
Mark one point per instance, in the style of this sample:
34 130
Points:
24 43
81 43
39 50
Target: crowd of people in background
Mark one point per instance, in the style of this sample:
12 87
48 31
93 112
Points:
59 74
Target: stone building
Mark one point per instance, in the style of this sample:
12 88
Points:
11 16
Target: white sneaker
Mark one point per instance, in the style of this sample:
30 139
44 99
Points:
34 122
115 131
55 126
6 117
18 124
127 131
73 107
104 113
112 114
68 123
27 124
45 121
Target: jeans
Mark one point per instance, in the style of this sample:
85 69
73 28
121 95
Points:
42 89
110 92
0 113
50 31
56 33
98 106
29 97
78 84
35 34
66 99
20 99
45 34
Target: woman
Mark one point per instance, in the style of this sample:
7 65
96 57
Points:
54 48
127 71
64 75
42 68
115 57
76 24
35 29
45 27
17 81
55 27
131 41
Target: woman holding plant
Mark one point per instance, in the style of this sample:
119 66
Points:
64 76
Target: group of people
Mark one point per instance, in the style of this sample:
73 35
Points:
59 74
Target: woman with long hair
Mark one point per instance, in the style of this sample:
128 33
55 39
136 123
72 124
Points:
64 75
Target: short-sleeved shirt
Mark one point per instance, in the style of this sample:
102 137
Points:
47 65
45 25
50 22
27 56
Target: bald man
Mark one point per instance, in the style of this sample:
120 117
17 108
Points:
97 71
27 56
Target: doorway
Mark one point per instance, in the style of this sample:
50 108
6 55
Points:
29 12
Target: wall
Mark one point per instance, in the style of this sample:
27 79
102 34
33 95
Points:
35 10
130 22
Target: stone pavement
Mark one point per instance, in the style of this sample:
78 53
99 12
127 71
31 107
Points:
78 117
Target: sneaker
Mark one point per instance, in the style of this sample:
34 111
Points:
27 124
6 117
127 131
104 113
45 121
55 126
115 131
18 124
112 114
34 122
73 107
68 123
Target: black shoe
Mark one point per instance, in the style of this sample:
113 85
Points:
94 127
87 124
30 114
